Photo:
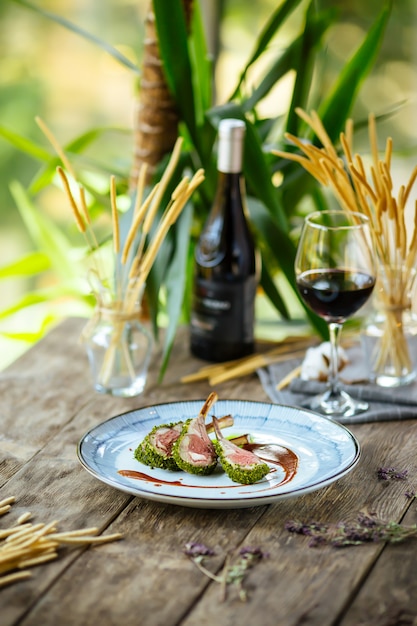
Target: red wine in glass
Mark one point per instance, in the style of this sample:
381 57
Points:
335 269
335 294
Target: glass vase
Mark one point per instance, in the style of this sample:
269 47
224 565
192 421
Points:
389 336
119 349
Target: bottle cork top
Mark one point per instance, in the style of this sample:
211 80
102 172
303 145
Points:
231 134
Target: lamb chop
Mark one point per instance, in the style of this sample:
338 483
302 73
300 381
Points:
242 466
194 450
156 448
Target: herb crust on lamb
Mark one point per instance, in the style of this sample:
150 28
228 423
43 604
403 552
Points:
156 448
242 466
194 451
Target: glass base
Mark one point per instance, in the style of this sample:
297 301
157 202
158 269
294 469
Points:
122 388
392 380
336 405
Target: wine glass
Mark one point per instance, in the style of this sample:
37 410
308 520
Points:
335 270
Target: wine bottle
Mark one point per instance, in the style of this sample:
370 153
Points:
225 277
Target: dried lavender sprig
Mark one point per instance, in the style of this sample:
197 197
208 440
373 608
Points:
197 553
232 573
367 529
194 550
248 557
391 473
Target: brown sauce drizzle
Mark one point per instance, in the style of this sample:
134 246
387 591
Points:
273 454
276 455
141 476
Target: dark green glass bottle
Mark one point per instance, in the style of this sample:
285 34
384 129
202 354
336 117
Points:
225 279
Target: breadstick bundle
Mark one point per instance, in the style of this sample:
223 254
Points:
25 545
369 188
116 345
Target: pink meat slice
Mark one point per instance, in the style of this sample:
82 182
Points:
196 446
234 454
164 438
244 458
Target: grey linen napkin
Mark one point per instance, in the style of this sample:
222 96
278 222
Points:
395 403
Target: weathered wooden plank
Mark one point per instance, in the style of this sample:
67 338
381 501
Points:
40 392
389 597
299 584
53 484
146 579
296 581
44 389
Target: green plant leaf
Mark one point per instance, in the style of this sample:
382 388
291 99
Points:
83 141
25 145
169 19
336 107
31 336
273 24
27 300
47 236
298 56
277 240
175 282
283 249
64 293
113 52
156 279
270 288
202 66
304 60
74 151
28 265
279 68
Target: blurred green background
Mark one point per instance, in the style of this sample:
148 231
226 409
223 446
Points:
73 85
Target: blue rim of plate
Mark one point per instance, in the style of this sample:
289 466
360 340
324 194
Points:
326 452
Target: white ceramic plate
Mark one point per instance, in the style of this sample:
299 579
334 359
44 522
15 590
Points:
308 452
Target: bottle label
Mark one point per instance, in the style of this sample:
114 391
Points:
224 311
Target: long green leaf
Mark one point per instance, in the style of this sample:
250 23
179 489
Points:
83 141
45 175
277 70
113 52
31 336
29 299
277 240
336 107
293 57
271 27
156 279
26 336
47 236
62 295
202 66
259 178
284 250
304 60
25 145
29 265
176 281
74 151
270 288
170 18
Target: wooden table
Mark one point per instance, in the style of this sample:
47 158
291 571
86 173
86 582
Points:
47 404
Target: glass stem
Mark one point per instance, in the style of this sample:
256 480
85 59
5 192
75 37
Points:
334 332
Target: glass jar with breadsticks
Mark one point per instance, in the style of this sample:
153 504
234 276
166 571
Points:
118 344
368 186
